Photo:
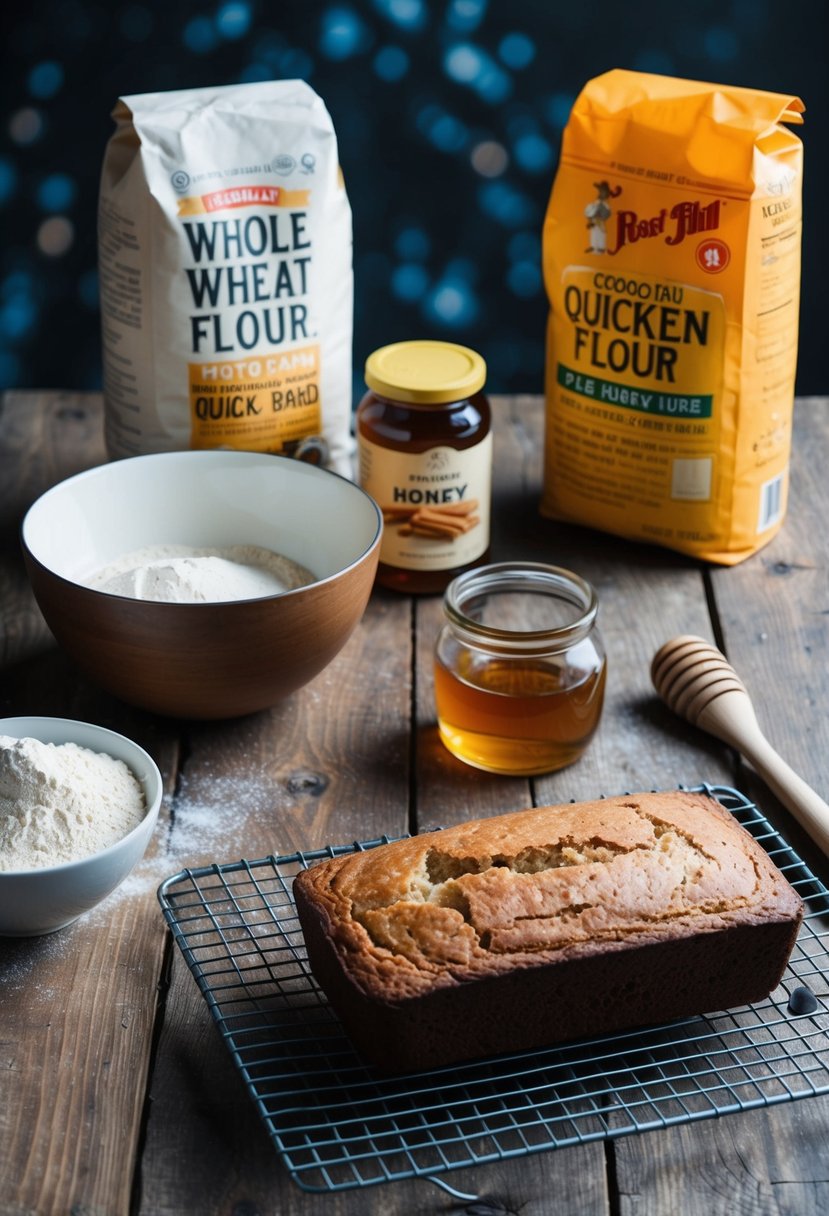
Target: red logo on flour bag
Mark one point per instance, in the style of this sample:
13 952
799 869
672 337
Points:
243 196
713 256
684 219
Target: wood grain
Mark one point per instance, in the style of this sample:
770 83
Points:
43 438
330 765
449 791
78 1007
99 1116
774 614
773 618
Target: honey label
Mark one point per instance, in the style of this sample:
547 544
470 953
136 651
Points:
435 504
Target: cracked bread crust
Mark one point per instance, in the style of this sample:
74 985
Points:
545 925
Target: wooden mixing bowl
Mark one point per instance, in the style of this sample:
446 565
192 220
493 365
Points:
209 660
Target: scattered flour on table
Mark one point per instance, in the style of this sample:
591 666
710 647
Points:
61 802
179 574
206 826
30 963
207 816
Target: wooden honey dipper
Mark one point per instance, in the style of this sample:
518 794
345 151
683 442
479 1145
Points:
697 682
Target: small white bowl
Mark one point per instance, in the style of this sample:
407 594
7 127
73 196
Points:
33 902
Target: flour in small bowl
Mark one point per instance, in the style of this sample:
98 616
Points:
179 574
60 802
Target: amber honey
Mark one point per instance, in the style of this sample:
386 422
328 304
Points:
519 683
519 718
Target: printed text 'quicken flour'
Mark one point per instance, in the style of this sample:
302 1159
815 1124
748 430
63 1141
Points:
226 282
672 265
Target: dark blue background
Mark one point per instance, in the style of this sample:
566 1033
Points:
449 117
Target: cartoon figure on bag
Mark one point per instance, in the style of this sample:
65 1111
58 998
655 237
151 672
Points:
598 213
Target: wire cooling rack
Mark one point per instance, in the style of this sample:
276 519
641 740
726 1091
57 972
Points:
338 1124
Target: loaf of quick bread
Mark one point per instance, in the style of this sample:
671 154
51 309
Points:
545 925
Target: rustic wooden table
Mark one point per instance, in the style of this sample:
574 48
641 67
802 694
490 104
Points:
116 1092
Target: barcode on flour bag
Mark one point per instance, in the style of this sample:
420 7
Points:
224 248
672 266
771 504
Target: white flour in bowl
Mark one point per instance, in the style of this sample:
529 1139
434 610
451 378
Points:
179 574
60 802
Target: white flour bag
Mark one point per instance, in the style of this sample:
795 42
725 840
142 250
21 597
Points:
224 247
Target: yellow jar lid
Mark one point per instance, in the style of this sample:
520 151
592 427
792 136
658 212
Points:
425 372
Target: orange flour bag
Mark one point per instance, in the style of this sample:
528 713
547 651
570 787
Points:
672 266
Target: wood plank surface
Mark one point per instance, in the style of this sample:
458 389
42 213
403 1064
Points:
645 598
78 1007
773 615
116 1092
449 791
328 766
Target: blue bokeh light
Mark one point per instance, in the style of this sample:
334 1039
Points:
466 15
506 204
442 129
18 310
463 270
88 291
46 79
451 303
199 36
517 51
391 63
524 279
464 63
533 153
343 34
448 133
557 109
268 47
407 14
252 72
233 20
413 244
17 282
18 317
295 64
409 281
470 65
8 179
524 246
56 192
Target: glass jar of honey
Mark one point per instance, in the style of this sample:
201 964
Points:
424 437
519 668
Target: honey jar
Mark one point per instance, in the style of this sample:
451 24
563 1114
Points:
519 668
425 449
